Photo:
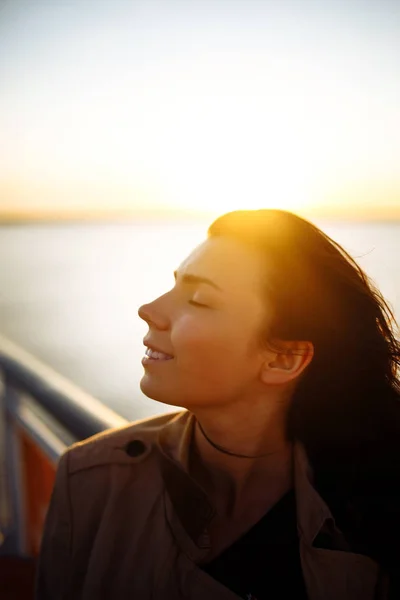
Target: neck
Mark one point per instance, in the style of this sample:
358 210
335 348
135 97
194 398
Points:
234 458
229 452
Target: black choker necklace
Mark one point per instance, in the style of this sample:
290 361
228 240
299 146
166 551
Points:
227 451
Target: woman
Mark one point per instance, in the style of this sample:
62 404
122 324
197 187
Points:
281 479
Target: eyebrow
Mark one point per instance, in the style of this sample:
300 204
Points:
189 278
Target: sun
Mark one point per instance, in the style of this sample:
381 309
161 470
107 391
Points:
234 186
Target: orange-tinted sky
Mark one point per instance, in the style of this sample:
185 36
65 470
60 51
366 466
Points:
200 105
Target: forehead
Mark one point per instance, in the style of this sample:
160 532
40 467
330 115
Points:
228 263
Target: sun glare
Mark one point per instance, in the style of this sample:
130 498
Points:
250 120
204 148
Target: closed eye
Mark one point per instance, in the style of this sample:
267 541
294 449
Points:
198 304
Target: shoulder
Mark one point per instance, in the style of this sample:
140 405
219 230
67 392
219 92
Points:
117 446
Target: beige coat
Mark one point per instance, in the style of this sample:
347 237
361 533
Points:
126 521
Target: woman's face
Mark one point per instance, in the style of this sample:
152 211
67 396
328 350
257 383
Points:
210 323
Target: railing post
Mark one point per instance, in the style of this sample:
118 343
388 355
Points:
5 504
14 531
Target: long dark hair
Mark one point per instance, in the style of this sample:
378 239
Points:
346 408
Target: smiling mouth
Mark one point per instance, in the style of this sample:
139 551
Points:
153 355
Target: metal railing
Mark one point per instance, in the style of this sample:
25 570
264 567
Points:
41 414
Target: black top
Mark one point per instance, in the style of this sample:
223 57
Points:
264 564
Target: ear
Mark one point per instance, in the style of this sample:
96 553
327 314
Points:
288 363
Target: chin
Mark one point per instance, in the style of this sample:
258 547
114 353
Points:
158 394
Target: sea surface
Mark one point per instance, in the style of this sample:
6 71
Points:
69 293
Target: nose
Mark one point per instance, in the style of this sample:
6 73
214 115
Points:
144 312
153 316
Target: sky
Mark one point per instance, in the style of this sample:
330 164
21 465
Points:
200 105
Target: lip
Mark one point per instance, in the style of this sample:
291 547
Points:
146 360
152 346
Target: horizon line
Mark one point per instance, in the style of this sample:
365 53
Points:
10 216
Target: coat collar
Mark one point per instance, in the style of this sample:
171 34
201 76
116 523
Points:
192 506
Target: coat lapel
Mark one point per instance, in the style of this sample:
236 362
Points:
337 575
334 572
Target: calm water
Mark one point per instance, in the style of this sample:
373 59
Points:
70 293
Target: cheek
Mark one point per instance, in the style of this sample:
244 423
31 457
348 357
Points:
212 346
193 335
